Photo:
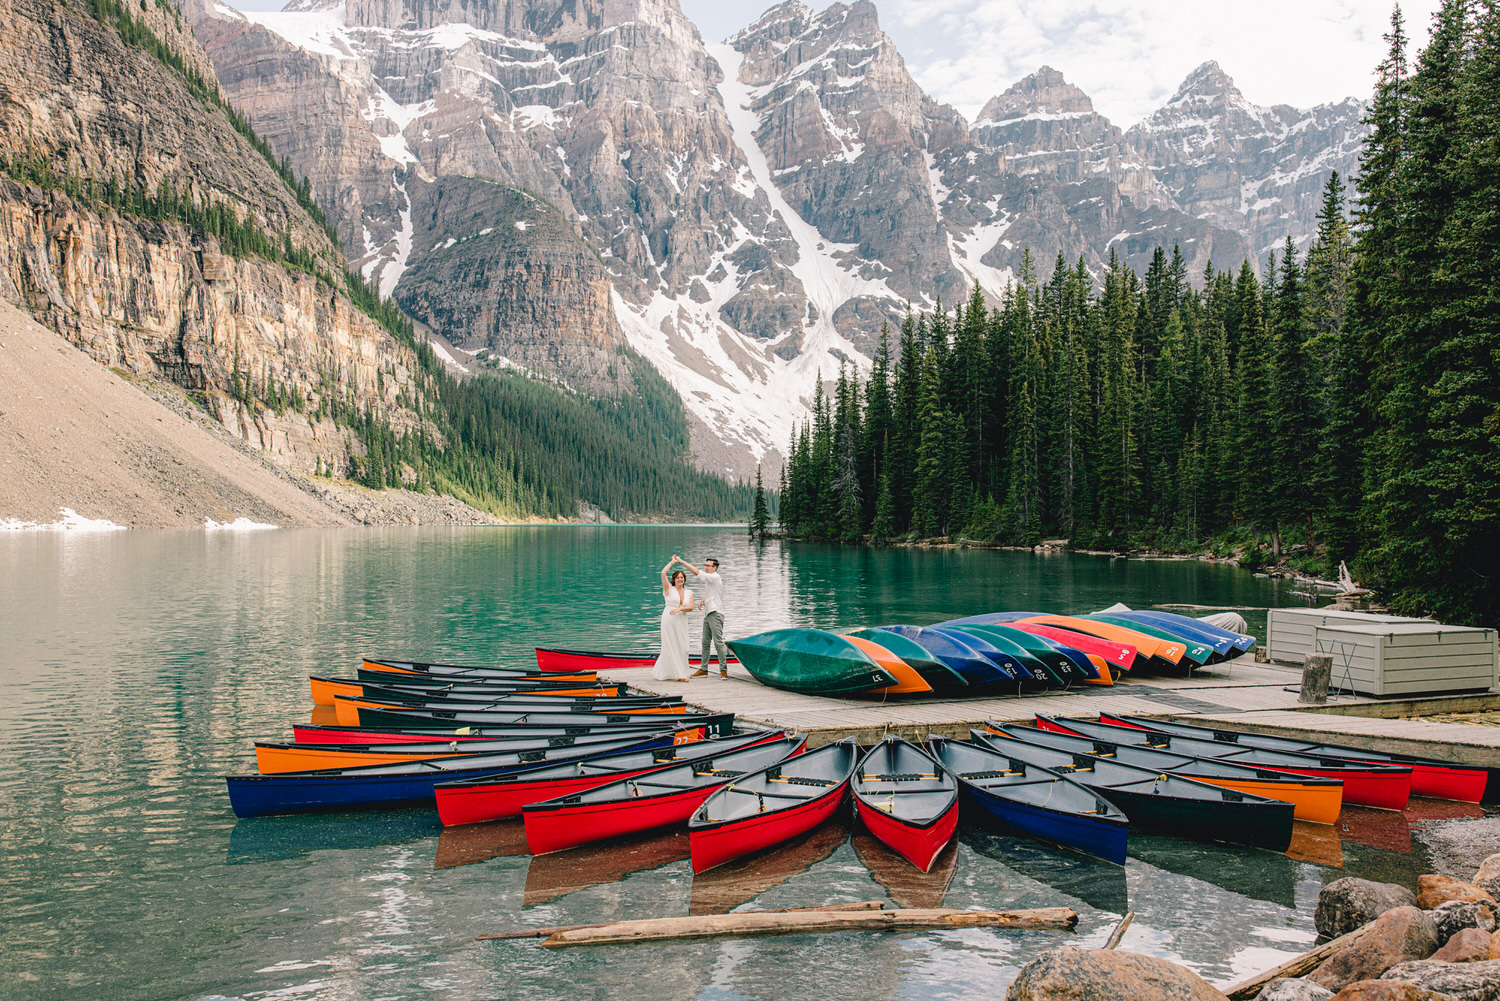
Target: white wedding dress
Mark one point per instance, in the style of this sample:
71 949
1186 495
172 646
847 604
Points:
672 664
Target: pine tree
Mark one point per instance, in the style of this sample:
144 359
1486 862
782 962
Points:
1291 404
760 515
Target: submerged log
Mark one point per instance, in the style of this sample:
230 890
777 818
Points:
1294 967
743 923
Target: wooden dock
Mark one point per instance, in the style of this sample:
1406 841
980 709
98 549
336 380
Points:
1240 693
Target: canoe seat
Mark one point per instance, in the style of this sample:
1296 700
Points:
900 777
993 773
797 780
717 771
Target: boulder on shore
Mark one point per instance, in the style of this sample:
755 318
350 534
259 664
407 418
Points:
1107 975
1388 990
1468 946
1292 989
1397 936
1435 889
1351 902
1463 981
1487 876
1454 916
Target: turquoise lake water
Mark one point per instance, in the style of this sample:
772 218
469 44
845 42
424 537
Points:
142 666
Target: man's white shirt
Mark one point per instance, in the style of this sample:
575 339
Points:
713 590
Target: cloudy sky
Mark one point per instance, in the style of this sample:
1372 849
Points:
1128 55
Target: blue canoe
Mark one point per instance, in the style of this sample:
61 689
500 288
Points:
413 781
955 650
1033 800
1221 640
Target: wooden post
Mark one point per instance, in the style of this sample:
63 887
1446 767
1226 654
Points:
1119 932
743 923
1317 670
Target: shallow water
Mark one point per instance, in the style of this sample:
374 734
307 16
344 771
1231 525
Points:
142 666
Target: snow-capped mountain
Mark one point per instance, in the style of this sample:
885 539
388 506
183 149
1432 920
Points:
545 181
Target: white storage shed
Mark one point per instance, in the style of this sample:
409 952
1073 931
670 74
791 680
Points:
1396 656
1290 632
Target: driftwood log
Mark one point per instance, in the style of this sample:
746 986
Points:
742 923
862 905
1294 967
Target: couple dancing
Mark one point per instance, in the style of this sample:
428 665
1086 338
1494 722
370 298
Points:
672 664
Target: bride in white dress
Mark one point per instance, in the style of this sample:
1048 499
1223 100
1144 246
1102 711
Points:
672 664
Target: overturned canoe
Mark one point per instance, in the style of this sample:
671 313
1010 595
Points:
811 661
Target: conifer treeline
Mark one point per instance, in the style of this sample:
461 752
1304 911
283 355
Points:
1348 401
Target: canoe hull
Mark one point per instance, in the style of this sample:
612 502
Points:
918 844
1100 838
1381 788
474 804
555 830
1259 824
715 844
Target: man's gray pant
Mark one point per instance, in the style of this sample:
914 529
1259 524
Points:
713 636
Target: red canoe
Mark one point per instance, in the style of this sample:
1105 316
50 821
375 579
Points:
594 660
907 800
1118 654
1385 787
666 796
770 806
1429 777
501 796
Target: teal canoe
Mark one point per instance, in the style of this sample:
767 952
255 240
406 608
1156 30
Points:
811 661
940 676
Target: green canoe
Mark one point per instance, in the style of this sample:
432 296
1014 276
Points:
1198 653
811 661
940 676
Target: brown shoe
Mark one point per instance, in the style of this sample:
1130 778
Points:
724 674
700 673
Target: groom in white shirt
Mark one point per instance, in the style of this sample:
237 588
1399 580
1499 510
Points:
713 619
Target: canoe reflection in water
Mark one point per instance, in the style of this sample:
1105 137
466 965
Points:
1316 843
1097 883
726 887
470 843
1249 872
259 839
907 885
1391 829
551 876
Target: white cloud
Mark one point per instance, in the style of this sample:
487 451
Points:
1130 57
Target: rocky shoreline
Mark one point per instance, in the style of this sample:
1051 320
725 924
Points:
1387 942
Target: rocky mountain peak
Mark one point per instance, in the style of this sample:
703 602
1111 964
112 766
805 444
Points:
1044 92
1208 83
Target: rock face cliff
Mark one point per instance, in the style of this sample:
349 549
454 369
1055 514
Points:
744 214
81 111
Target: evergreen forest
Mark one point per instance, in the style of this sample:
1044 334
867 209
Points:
1340 405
